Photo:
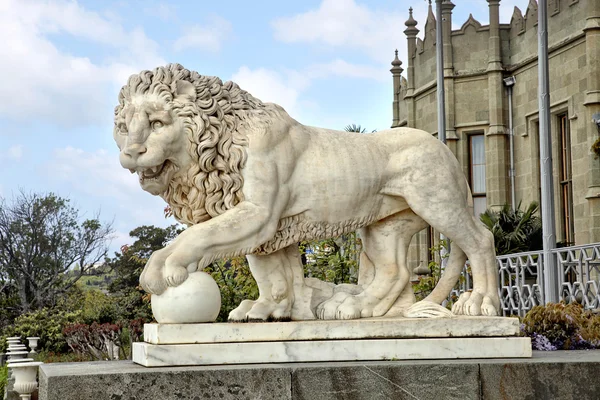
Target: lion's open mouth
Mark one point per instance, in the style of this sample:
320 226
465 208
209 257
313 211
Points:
154 173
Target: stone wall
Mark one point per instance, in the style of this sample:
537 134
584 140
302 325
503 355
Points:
472 86
559 375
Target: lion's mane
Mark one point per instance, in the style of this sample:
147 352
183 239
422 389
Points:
215 124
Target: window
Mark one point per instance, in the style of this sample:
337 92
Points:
566 181
477 172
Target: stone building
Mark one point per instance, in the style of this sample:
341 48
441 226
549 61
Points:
478 59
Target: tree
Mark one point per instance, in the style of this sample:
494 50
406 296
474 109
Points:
129 263
357 128
515 230
42 238
332 260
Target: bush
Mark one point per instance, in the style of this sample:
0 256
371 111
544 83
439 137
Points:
561 326
97 341
3 378
98 307
47 323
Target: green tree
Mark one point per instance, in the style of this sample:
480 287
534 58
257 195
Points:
235 281
357 128
128 264
332 260
515 230
41 238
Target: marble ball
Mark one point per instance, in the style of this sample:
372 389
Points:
196 300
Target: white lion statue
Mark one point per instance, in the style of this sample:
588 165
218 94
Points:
247 179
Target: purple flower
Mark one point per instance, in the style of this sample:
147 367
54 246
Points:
541 342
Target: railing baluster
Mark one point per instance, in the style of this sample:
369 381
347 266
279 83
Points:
521 278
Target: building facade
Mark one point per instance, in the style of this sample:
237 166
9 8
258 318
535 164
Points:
480 64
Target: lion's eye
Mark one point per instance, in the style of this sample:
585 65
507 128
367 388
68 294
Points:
157 125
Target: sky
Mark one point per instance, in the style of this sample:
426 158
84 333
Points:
63 62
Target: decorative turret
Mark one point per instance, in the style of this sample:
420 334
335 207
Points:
396 63
411 25
447 7
396 73
411 32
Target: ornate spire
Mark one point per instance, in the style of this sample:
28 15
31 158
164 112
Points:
396 62
411 24
410 21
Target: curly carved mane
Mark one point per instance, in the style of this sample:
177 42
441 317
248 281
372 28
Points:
214 123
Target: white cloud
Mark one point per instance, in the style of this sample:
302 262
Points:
98 174
209 36
15 152
43 81
164 11
344 23
286 87
270 86
342 68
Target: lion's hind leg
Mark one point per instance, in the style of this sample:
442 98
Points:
273 275
385 245
455 220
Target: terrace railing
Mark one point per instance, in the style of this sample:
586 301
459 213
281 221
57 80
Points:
521 278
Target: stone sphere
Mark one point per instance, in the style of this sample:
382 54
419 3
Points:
198 299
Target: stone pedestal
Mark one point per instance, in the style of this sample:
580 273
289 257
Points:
314 341
557 375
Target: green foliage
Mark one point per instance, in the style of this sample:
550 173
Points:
3 378
98 307
47 323
565 326
96 341
235 282
332 260
132 301
9 306
515 230
41 238
426 283
356 128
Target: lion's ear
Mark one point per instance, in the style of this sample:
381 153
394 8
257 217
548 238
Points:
185 88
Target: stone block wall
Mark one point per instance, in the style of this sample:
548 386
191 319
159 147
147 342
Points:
573 25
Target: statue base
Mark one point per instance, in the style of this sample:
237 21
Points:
312 341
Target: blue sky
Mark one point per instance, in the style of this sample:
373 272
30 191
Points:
325 61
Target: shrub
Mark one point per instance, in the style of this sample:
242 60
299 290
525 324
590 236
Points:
3 378
561 326
97 341
47 323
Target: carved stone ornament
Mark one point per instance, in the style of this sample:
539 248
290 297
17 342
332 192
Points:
250 180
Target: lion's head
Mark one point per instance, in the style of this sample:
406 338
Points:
180 132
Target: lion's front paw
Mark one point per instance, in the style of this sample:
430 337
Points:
175 275
238 314
151 279
261 310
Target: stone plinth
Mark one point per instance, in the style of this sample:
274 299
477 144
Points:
366 328
553 375
151 355
320 341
